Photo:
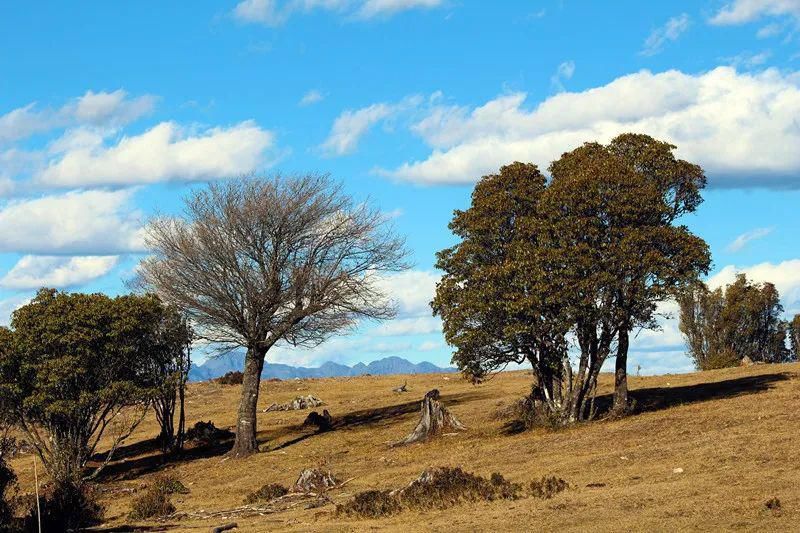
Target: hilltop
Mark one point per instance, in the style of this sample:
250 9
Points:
218 366
704 451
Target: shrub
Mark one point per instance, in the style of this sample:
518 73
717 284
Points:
437 488
7 479
156 501
65 507
266 493
170 484
231 378
371 504
547 487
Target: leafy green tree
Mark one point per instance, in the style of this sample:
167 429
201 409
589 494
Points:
794 337
165 372
72 371
723 326
590 254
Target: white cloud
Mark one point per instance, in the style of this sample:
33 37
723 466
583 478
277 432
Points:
165 152
564 72
311 97
104 109
276 12
34 271
384 8
75 223
670 31
422 325
743 11
11 304
742 240
785 276
351 125
740 127
747 60
412 290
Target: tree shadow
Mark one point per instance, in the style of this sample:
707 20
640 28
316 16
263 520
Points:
125 528
145 457
652 399
379 416
657 398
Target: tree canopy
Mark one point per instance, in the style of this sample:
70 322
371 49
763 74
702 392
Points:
258 261
74 367
559 272
723 326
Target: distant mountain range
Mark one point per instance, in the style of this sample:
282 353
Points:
218 366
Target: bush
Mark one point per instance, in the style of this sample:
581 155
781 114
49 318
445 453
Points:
156 501
231 378
266 493
371 504
436 488
7 479
65 507
547 487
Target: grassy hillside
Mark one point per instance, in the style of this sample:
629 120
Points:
734 433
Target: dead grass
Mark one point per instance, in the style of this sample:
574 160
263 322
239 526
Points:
733 432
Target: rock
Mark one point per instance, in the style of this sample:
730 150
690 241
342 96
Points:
677 470
746 361
299 403
314 480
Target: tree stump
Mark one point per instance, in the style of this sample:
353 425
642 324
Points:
434 420
324 421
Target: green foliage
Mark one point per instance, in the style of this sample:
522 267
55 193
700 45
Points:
7 480
723 326
71 364
65 507
794 337
154 502
591 252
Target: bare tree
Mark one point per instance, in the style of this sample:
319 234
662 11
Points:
255 262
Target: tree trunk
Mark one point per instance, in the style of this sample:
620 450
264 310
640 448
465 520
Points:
621 374
434 419
246 443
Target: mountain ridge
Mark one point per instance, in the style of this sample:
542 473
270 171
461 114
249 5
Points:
219 366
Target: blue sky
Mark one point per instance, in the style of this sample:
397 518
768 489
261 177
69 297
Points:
110 112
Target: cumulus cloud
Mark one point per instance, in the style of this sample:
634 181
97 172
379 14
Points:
104 109
743 11
35 271
165 152
310 98
784 275
741 127
670 31
742 240
11 304
75 223
276 12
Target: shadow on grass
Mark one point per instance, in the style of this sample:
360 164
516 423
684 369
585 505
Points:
144 457
651 399
379 416
658 398
125 528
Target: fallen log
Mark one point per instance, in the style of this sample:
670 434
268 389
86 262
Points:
226 527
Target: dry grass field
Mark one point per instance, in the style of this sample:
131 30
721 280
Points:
734 433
